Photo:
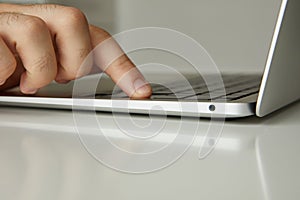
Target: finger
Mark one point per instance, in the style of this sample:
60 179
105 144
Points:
32 41
8 62
111 59
70 29
14 79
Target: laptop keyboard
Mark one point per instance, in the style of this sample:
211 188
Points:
236 87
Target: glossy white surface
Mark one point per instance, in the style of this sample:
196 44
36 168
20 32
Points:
42 158
278 156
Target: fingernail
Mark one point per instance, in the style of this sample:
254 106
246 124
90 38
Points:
141 86
2 82
29 91
62 81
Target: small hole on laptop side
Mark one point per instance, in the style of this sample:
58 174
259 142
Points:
212 108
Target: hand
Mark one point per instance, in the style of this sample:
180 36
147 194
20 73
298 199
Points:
41 43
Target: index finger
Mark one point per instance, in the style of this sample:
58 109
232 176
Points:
110 58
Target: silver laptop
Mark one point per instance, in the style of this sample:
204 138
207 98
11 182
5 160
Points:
244 95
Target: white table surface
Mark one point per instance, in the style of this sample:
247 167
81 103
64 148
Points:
42 157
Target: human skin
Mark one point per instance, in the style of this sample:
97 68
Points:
44 42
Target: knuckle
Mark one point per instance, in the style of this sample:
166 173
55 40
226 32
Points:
73 16
48 8
9 18
33 25
120 67
26 23
122 63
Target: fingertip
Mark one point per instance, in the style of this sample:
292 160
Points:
142 89
29 91
61 81
142 93
2 82
26 86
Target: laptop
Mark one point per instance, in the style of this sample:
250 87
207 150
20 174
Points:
243 95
